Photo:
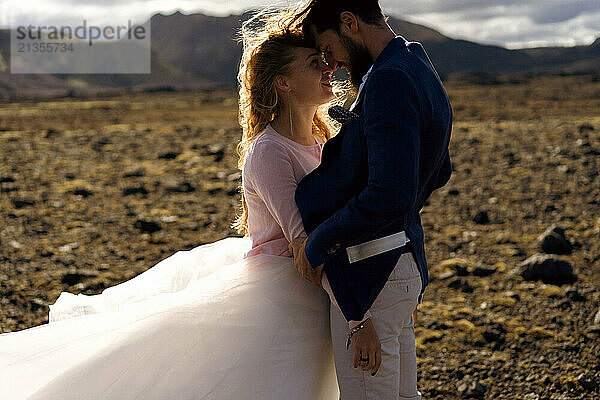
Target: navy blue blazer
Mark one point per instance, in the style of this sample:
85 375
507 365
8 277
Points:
376 175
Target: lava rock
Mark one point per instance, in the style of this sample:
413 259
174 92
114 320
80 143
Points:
188 226
128 191
82 192
471 389
570 347
6 179
147 226
234 177
461 270
49 133
35 304
513 295
587 382
554 241
481 218
438 325
483 271
175 187
595 327
446 275
547 269
459 265
233 191
495 332
169 155
77 275
96 287
21 202
216 150
99 145
7 187
565 304
511 158
135 173
46 253
461 284
574 295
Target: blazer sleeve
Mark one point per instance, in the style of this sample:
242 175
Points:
445 172
391 124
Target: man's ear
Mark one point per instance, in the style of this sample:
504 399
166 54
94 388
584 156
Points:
348 23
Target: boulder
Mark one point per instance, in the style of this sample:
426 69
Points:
548 269
554 241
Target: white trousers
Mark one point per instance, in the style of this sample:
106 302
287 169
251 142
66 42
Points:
392 318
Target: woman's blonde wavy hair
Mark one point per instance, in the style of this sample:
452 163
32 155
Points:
269 38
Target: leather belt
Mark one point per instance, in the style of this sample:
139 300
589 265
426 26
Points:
378 246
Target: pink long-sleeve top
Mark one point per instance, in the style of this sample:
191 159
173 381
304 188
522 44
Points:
274 165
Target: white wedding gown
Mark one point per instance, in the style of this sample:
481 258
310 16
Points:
201 324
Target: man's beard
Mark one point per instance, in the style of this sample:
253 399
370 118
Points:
360 60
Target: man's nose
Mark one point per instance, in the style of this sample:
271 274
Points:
329 63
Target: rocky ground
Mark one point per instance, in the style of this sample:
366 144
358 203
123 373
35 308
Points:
96 191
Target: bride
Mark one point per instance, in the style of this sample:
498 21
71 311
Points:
231 319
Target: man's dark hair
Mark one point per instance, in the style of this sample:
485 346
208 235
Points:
325 14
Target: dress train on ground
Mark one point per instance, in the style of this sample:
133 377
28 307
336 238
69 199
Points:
201 324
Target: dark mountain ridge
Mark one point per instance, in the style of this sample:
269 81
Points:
201 51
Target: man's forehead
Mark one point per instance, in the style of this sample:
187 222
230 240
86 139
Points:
318 38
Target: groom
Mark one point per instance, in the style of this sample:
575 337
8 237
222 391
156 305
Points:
360 207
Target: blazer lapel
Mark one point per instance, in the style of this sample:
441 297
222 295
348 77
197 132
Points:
396 44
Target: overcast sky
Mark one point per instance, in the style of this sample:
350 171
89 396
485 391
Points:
509 23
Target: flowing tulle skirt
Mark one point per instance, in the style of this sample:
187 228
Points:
201 324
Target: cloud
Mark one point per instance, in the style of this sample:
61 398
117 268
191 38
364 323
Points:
50 12
510 23
416 7
564 11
